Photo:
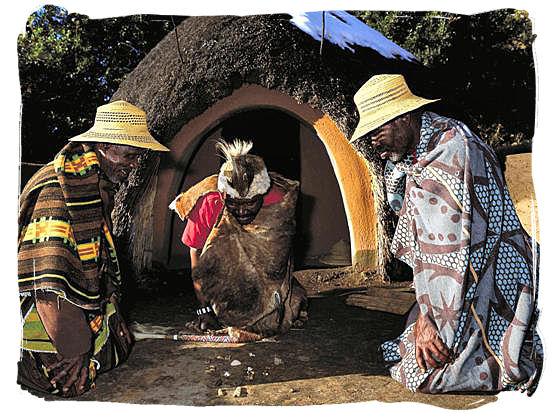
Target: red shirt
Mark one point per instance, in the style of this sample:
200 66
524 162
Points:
206 211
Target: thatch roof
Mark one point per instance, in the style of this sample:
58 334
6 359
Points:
213 56
219 54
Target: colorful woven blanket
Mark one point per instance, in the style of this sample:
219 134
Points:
475 268
63 234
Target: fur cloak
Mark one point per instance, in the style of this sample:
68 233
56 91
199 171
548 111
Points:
245 272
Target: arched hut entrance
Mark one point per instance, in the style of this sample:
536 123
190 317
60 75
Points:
212 69
292 148
337 200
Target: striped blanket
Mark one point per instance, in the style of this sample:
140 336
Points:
65 247
62 231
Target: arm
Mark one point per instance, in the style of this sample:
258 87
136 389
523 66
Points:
438 218
431 351
66 325
205 321
200 222
194 254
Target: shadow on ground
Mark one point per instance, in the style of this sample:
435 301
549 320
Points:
333 359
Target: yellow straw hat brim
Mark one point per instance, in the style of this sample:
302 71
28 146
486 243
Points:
146 142
121 123
381 99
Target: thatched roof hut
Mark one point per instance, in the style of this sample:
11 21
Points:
267 79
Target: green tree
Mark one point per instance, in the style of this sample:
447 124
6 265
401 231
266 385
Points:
69 65
482 64
427 35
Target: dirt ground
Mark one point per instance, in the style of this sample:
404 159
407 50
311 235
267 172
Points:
333 359
522 190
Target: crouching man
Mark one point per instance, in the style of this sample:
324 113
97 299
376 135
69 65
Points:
240 226
69 278
475 268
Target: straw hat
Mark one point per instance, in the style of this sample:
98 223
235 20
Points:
381 99
122 123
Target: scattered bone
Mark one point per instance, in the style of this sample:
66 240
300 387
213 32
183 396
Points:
250 373
239 392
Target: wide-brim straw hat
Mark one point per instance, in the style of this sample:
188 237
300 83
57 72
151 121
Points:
381 99
121 123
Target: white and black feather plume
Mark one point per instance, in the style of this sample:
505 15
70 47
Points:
242 175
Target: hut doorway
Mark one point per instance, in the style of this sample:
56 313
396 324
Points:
293 149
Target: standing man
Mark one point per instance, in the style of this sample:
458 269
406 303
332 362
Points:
475 269
240 226
69 278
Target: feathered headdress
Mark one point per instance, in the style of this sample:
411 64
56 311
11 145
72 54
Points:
242 175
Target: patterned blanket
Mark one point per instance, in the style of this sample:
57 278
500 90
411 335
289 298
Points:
475 268
62 231
65 247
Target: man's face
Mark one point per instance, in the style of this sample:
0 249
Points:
244 210
117 161
394 139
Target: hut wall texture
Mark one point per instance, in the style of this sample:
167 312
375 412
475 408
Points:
519 178
356 186
142 236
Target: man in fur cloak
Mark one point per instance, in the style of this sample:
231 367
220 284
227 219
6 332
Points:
475 269
240 226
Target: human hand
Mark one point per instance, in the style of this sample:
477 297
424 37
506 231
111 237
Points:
75 369
121 328
431 351
203 323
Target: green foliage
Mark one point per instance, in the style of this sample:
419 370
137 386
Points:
431 36
427 35
69 65
482 65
